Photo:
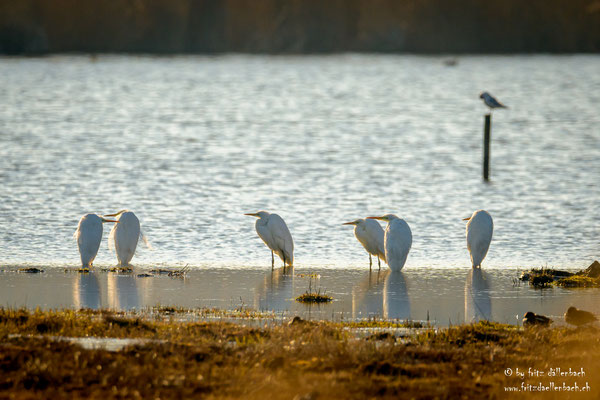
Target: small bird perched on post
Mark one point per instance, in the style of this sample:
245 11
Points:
532 319
577 317
491 101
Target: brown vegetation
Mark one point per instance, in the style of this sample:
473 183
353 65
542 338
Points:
299 26
308 360
545 277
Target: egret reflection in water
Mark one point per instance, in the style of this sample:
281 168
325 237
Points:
396 303
276 290
367 295
122 291
86 291
478 305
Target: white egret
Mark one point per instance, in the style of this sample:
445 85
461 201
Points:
479 235
124 236
491 101
89 236
397 240
274 232
370 234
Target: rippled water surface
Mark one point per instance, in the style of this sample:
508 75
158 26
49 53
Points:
191 143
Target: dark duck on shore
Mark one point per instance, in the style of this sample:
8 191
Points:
533 319
577 317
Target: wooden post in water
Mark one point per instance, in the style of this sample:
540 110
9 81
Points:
486 146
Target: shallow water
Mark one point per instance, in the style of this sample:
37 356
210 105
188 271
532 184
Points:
191 143
441 295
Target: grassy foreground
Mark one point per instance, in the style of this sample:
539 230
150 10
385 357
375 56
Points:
303 360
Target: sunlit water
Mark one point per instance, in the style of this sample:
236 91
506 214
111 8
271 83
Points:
192 143
440 296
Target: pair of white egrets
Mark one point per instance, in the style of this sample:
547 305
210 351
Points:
391 246
123 236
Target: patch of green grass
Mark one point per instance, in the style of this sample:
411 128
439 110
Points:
578 281
311 275
546 277
314 298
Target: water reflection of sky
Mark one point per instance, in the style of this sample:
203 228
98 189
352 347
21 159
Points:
445 296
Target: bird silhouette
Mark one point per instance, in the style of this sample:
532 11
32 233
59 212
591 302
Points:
532 319
576 317
491 101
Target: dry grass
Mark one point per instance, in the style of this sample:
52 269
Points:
314 360
580 281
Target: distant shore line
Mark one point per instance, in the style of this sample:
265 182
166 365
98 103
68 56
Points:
299 26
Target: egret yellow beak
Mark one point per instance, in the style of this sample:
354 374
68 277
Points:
349 223
379 218
252 214
466 219
115 214
108 220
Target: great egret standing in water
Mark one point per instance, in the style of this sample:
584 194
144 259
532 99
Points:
89 236
124 236
397 240
274 232
479 235
370 234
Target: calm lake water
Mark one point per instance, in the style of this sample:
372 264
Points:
445 296
192 143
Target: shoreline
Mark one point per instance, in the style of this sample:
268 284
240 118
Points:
439 297
346 266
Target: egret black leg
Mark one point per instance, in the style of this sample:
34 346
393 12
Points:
272 260
379 262
370 261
